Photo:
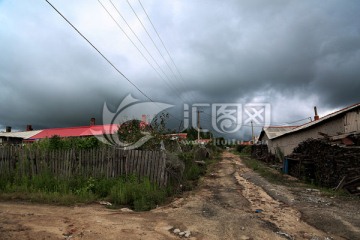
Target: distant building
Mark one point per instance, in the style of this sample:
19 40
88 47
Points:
269 133
16 137
177 136
342 122
203 141
82 131
9 137
246 143
30 135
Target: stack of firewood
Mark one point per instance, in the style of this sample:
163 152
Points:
332 165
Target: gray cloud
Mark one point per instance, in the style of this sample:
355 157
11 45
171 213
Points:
303 53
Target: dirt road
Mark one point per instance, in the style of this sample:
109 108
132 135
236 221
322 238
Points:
225 206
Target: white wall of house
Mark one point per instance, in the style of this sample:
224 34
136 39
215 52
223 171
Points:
344 123
352 121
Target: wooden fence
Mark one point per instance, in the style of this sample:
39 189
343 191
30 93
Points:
102 162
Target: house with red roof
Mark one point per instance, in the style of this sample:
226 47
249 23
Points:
81 131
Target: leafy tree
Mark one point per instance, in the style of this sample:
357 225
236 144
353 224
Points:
192 134
130 131
133 130
55 142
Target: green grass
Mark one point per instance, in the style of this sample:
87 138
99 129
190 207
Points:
139 194
277 177
272 175
194 171
131 191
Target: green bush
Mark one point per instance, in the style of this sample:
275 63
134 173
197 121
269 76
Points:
193 171
246 150
239 148
56 142
140 194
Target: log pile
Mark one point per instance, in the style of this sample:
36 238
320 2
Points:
328 163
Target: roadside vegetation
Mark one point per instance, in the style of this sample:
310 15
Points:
276 176
130 191
271 174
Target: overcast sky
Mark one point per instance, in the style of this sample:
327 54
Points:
291 54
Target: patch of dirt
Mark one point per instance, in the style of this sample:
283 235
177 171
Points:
339 216
226 205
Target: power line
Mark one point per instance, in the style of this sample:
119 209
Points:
117 10
126 34
99 51
162 42
152 40
133 84
308 118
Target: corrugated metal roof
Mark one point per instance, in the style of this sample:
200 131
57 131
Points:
77 131
23 135
321 120
275 131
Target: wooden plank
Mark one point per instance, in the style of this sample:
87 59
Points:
162 168
110 162
92 162
113 154
105 162
68 162
137 162
148 164
127 168
142 163
131 161
102 162
153 167
158 168
117 162
341 183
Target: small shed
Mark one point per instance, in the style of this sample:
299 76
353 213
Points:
269 133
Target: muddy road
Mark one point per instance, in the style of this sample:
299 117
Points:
226 205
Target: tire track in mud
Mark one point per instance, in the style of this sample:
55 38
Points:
285 220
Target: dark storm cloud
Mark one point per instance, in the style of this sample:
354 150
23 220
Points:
289 47
292 54
49 78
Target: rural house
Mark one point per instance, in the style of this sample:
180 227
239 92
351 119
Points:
268 133
82 131
340 123
10 137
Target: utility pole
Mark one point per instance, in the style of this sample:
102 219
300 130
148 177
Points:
198 124
180 126
252 132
